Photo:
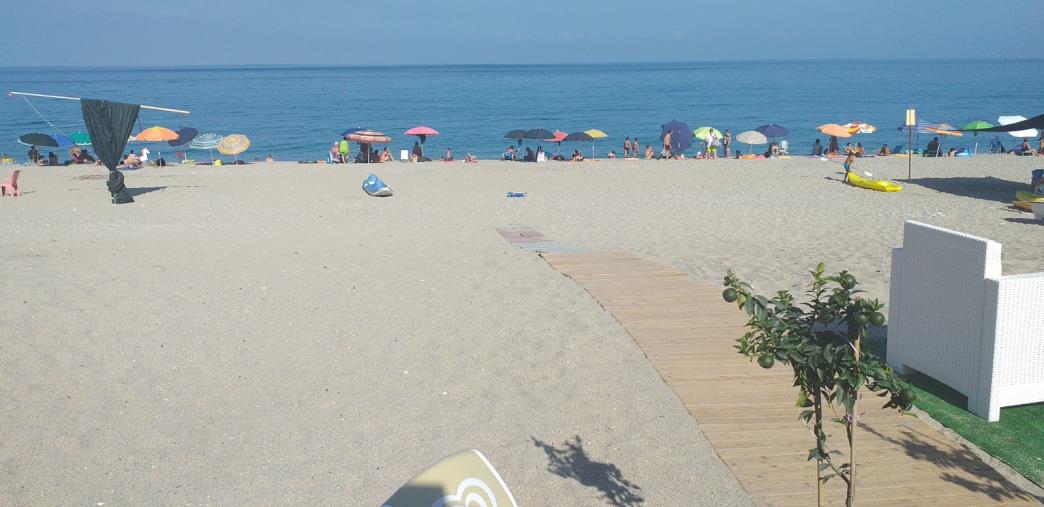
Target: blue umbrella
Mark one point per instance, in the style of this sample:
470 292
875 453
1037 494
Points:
922 127
681 135
773 131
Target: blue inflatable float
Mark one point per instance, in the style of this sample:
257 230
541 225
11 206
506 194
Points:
375 187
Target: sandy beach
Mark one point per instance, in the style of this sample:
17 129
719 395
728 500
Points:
271 334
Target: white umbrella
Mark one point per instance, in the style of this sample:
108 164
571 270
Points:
1008 120
751 137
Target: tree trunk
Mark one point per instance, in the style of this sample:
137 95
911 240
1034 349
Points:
817 400
853 424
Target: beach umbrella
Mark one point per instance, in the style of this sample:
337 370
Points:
185 136
233 144
46 140
975 126
80 137
517 134
557 138
578 136
859 127
207 141
702 133
595 135
1011 120
538 134
422 132
368 137
945 129
349 131
156 134
751 137
681 138
835 130
773 131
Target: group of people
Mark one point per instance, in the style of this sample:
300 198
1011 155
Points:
996 146
341 153
77 155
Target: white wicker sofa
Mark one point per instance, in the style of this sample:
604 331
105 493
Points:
953 317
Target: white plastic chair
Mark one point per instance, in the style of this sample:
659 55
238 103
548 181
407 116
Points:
404 155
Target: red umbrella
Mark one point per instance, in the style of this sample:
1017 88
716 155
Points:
557 139
422 132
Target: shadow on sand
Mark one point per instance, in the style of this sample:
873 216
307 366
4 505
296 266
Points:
986 188
572 462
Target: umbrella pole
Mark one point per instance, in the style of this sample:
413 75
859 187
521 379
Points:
592 149
909 160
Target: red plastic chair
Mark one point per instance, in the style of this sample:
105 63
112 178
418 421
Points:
10 187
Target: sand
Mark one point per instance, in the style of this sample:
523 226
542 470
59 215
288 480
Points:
269 333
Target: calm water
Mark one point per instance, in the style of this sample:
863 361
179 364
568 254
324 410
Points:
296 112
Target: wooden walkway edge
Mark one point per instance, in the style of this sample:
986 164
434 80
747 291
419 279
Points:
748 413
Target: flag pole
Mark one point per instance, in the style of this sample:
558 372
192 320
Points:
60 97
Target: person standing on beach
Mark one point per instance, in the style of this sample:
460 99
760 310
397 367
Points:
849 164
832 148
667 144
344 149
627 147
34 154
726 143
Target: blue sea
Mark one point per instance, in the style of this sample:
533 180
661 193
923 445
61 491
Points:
296 112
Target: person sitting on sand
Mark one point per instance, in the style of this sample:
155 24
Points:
335 155
6 160
132 161
832 148
85 157
52 159
34 155
884 151
509 153
448 157
739 154
386 155
417 153
817 149
469 158
577 156
269 159
612 154
848 149
649 153
952 151
859 151
529 156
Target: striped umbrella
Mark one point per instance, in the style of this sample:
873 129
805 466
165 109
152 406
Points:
207 141
233 144
859 127
368 137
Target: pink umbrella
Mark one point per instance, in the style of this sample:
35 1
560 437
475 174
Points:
422 132
557 138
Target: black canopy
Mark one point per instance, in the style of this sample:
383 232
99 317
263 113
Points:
1037 122
109 124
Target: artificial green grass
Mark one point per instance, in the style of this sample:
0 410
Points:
1017 439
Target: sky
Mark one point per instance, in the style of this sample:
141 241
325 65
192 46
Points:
396 32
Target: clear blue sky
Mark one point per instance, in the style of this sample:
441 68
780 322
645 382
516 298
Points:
220 32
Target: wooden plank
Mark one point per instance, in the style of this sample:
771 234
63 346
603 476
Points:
747 413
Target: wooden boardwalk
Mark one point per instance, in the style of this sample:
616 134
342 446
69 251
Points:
749 413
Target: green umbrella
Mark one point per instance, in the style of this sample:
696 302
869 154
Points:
80 137
702 132
976 125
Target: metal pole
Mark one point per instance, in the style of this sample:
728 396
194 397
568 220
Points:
909 160
152 108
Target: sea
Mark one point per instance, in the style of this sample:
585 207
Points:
297 112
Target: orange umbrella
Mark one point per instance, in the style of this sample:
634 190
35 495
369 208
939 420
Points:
156 135
833 129
945 129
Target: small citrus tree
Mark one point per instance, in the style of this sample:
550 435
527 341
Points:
822 341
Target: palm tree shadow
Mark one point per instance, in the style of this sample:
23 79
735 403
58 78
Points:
978 476
986 188
572 462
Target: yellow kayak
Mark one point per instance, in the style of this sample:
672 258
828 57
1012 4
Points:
879 185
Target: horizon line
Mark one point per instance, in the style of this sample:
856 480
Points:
485 64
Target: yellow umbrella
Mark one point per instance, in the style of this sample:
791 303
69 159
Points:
156 134
595 134
233 144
